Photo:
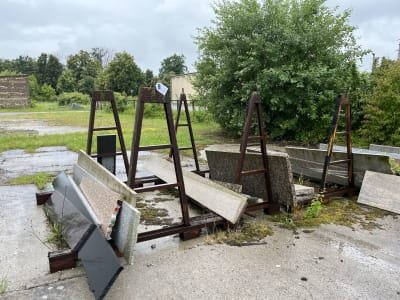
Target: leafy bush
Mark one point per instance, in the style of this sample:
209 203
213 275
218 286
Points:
154 111
314 209
47 93
382 111
121 100
73 97
298 54
201 116
34 88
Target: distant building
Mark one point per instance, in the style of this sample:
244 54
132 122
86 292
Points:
179 82
14 91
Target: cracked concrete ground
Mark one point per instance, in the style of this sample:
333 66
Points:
330 262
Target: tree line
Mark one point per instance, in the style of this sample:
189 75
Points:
88 70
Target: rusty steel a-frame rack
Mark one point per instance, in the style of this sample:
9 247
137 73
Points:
342 101
190 227
106 96
254 106
188 124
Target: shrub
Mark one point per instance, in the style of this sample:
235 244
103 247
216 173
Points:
153 111
73 97
121 100
47 93
382 113
201 116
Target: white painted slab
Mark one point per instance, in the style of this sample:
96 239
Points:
381 191
219 199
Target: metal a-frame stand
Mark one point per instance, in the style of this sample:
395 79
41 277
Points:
342 102
190 227
188 124
106 96
255 106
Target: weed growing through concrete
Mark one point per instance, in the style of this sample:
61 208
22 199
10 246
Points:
56 236
3 285
314 210
40 179
248 233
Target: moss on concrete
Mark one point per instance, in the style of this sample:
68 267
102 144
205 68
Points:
248 233
341 211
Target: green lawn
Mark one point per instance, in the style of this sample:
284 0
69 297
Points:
154 131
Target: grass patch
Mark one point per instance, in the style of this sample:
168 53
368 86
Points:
56 236
246 234
395 166
3 285
154 131
345 212
40 179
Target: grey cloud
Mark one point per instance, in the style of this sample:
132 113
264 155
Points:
151 30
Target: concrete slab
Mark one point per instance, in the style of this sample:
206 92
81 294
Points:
219 199
23 257
103 201
14 163
384 148
392 154
309 162
106 177
381 191
304 194
126 227
222 161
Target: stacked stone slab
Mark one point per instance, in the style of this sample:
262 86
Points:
14 91
310 162
222 161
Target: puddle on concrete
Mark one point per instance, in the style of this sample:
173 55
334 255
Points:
52 160
28 126
348 251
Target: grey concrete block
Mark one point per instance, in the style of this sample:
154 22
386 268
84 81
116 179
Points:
381 191
219 199
106 177
310 162
104 203
223 159
375 150
125 231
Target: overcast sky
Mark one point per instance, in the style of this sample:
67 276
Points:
152 30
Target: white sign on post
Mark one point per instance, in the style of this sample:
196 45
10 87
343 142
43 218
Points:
162 89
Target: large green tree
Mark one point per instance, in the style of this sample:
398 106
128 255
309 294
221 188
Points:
297 53
172 65
123 74
85 68
48 70
382 111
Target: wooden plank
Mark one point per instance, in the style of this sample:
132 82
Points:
381 191
220 200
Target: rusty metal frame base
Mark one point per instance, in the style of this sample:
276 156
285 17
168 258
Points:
185 232
339 192
62 260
